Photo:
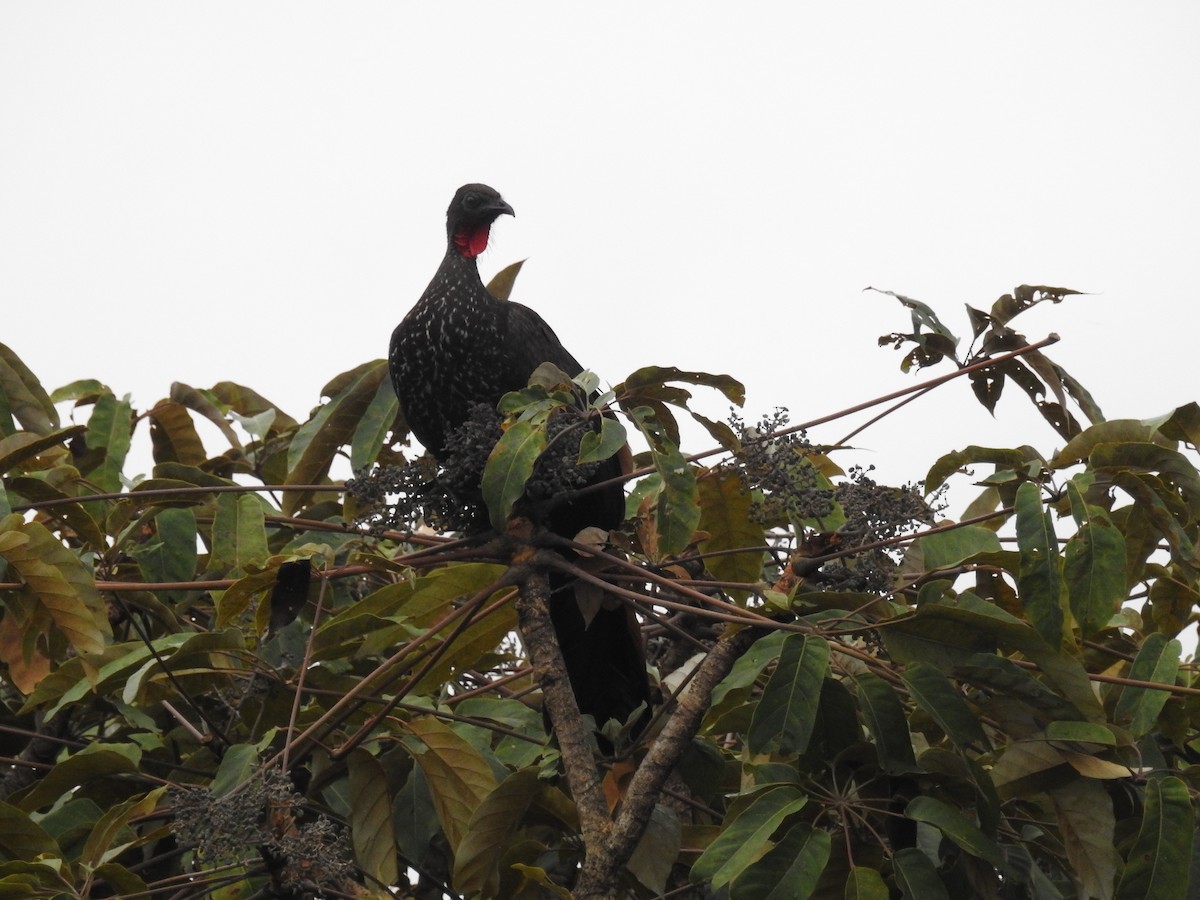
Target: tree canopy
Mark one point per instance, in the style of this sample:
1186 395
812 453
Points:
247 676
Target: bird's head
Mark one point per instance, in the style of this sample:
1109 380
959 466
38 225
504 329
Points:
470 216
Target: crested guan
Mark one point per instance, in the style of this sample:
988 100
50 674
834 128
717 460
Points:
460 346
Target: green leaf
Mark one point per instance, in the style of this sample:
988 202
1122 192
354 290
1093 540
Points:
332 427
1002 458
651 376
596 446
678 512
1080 732
885 719
80 392
122 881
746 832
1152 496
1039 581
22 838
170 555
233 602
657 851
1081 446
374 426
236 768
23 397
1173 468
371 825
923 315
197 655
101 846
1157 661
1180 424
491 826
788 871
718 431
1024 297
68 775
783 720
917 877
1003 677
239 533
1093 567
748 666
415 819
957 827
950 548
934 693
110 431
865 884
509 467
1161 856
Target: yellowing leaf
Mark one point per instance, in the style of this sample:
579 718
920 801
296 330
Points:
371 810
459 778
60 589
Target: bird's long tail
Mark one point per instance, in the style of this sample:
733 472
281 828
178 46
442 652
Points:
605 656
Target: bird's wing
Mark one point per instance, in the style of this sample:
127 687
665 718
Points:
532 342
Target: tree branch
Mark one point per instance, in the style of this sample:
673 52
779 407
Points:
545 656
603 863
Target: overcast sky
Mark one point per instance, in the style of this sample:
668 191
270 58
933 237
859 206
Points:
256 191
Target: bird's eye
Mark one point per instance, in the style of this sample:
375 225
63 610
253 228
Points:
471 201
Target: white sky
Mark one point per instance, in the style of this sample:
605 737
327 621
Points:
256 191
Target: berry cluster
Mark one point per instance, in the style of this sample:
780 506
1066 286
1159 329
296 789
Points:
558 470
263 820
789 488
448 497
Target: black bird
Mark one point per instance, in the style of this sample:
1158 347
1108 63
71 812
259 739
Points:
460 346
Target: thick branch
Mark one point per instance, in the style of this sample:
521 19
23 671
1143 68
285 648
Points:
599 875
545 656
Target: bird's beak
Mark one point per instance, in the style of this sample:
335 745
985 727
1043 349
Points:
502 208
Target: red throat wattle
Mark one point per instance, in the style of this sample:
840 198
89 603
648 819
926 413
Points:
472 241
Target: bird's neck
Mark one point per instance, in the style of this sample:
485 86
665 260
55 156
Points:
458 271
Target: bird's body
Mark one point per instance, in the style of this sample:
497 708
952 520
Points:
460 346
